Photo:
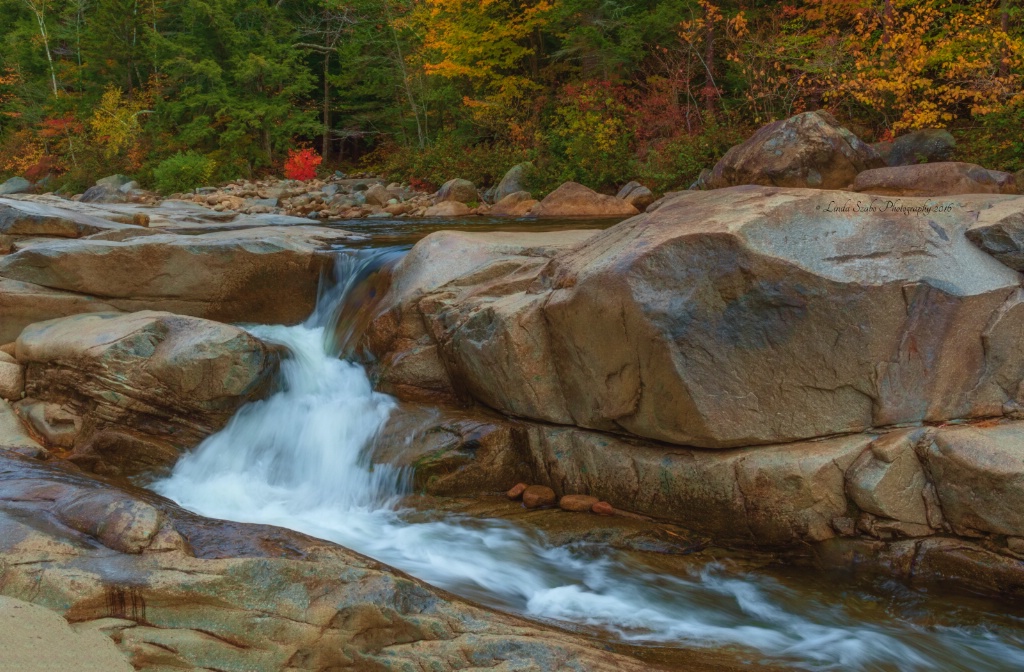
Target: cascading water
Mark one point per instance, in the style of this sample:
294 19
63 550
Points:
300 459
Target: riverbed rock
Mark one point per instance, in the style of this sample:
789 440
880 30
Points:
12 380
103 194
23 303
405 355
810 149
999 231
15 185
14 435
516 204
603 509
449 451
536 496
377 194
934 179
636 195
459 191
448 209
38 219
39 640
889 481
513 181
195 593
574 200
266 275
516 491
758 315
127 393
927 145
979 477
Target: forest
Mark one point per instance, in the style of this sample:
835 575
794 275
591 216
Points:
596 91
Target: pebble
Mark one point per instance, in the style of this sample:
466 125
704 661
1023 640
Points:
536 496
603 509
517 491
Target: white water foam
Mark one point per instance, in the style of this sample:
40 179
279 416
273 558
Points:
299 459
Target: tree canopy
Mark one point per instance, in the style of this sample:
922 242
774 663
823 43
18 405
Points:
600 91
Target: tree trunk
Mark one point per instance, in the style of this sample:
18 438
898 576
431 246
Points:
326 149
710 89
1004 24
400 58
886 21
39 11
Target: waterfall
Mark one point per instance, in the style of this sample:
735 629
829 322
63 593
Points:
300 459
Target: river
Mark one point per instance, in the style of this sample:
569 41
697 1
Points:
301 459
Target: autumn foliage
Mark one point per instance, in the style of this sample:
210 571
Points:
601 91
301 164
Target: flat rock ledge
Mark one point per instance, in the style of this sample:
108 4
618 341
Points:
924 504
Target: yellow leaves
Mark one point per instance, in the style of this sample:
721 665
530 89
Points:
29 151
115 121
936 59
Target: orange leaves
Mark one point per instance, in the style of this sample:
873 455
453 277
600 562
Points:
923 64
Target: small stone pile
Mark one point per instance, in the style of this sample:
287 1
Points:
368 196
541 496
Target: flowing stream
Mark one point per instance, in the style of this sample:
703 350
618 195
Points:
299 459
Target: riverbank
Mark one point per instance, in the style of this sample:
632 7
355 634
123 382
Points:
746 377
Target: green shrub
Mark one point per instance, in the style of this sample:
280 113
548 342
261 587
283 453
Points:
183 172
676 163
994 141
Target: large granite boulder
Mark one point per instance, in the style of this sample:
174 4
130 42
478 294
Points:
129 392
458 190
15 185
636 195
513 181
947 497
516 204
407 360
575 200
978 474
927 145
176 591
266 275
807 150
999 230
14 436
449 208
935 179
725 318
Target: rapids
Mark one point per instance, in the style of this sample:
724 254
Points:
300 459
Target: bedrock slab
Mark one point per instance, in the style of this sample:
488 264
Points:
265 275
195 593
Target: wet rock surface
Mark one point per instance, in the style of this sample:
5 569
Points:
932 506
127 393
189 592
